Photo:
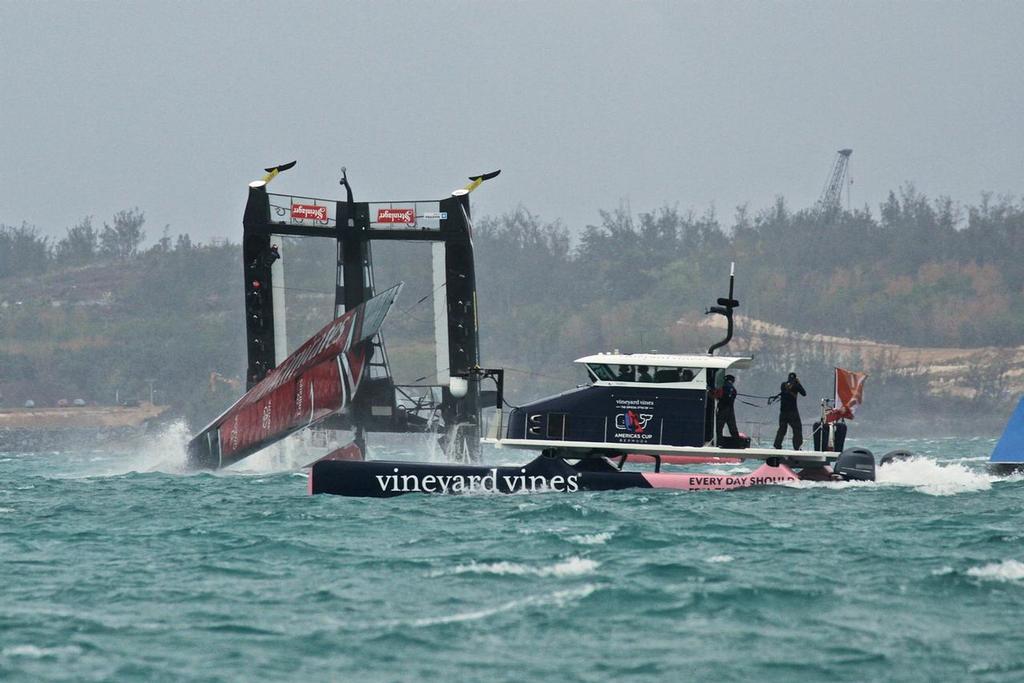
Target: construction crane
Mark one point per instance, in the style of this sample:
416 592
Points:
832 193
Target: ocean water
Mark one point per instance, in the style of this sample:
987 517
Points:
119 566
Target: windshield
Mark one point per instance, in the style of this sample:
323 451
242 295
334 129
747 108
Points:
642 373
602 371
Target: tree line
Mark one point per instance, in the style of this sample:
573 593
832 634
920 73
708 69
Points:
917 271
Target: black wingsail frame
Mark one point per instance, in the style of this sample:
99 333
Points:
354 226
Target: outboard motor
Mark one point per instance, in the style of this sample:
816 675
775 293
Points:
855 464
893 456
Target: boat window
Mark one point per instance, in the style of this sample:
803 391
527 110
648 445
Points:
556 426
642 373
603 372
676 374
666 375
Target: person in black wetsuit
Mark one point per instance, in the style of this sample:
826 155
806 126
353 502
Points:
789 415
726 408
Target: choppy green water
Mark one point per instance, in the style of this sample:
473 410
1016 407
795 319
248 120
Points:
111 571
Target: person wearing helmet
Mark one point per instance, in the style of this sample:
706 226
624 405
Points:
789 415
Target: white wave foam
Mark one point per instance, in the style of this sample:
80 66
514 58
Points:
929 476
591 539
923 474
36 652
573 566
474 615
163 451
720 558
1007 570
557 599
291 453
6 510
166 452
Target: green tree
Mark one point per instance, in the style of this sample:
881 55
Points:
81 245
122 239
23 251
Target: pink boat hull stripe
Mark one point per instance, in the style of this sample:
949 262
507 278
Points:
763 475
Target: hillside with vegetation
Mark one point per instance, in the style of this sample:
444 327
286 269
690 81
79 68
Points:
96 315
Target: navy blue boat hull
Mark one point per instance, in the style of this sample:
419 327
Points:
386 479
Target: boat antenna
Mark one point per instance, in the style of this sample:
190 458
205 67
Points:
348 188
725 307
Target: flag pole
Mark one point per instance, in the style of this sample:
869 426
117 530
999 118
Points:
835 389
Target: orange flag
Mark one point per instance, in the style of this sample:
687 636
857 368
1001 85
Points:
849 395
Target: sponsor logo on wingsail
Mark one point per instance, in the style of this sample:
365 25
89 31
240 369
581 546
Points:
407 216
309 212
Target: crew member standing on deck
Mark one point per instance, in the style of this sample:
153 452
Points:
789 415
726 408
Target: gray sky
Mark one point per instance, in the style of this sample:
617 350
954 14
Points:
174 107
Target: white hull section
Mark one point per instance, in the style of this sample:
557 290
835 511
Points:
656 449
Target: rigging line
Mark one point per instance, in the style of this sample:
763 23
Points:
754 396
537 374
424 298
419 320
433 374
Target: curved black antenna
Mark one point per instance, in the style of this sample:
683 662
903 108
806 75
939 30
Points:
348 188
725 307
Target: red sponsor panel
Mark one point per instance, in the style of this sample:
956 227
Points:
407 216
325 392
309 212
327 343
293 404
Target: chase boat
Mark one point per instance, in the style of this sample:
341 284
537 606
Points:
655 407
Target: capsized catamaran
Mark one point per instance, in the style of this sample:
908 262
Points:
656 405
318 380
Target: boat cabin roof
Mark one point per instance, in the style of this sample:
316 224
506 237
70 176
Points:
670 360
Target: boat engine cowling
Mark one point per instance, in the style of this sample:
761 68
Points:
893 456
855 464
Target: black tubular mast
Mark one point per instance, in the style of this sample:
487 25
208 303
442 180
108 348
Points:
725 307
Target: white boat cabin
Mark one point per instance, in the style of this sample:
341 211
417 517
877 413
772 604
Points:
667 370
